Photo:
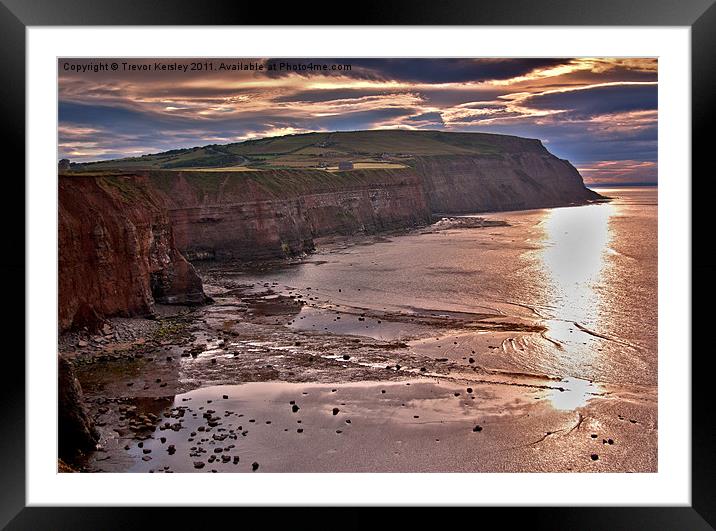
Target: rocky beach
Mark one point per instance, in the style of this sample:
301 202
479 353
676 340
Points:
275 377
281 321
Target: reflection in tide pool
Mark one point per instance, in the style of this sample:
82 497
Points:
573 393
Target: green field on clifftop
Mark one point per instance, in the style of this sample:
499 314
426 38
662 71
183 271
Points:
322 150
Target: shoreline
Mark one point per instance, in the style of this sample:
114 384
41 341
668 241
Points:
258 336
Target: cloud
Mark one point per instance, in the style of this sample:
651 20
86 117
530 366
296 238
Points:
619 172
433 71
597 99
587 110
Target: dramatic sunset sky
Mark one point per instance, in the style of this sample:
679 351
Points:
601 114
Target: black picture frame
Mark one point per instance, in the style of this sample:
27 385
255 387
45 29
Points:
699 15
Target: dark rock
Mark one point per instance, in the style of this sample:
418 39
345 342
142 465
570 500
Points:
595 457
76 432
477 428
335 410
254 466
295 408
199 464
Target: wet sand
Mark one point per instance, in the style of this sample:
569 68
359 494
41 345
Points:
413 426
170 399
414 388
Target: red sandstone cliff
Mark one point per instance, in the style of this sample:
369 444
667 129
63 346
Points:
123 237
262 214
116 252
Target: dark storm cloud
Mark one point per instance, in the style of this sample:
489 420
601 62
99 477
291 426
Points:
598 100
421 70
428 118
329 95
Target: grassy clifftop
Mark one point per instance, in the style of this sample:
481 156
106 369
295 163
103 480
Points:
277 183
314 150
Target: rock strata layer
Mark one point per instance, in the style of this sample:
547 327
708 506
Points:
116 252
125 236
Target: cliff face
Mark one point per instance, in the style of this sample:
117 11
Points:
123 238
514 181
116 252
254 215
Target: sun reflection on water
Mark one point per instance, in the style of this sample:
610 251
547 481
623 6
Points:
577 241
572 394
575 265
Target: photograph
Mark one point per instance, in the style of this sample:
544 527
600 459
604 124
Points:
359 264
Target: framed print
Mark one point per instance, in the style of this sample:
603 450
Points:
443 259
